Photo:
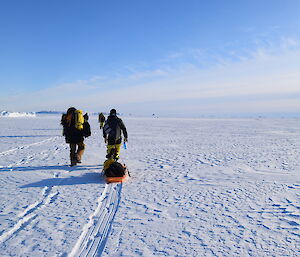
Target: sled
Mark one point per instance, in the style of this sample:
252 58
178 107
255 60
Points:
116 179
113 172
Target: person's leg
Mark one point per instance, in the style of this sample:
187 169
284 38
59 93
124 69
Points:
110 150
80 151
73 154
101 124
117 152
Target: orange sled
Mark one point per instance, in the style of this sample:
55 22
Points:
116 179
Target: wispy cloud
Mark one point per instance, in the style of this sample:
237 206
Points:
265 74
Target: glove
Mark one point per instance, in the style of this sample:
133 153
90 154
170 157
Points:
125 139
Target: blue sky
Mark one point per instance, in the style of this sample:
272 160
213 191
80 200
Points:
169 57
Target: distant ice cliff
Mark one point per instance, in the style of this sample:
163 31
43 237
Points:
17 114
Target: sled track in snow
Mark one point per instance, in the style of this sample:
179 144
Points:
29 145
31 212
95 233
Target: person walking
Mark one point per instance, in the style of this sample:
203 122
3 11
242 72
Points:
112 135
75 128
101 119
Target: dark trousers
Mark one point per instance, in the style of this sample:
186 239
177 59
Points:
76 152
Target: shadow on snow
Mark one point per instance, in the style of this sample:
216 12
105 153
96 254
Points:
87 178
52 167
29 136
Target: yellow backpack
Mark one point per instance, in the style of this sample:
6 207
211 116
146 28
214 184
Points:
79 120
107 163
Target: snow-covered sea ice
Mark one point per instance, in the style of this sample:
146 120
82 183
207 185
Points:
198 187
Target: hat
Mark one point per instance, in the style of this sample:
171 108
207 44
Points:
71 110
113 112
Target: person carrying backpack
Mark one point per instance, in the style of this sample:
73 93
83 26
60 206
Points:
112 135
86 126
101 119
75 128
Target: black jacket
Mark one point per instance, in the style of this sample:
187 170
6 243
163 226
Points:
101 117
112 130
72 135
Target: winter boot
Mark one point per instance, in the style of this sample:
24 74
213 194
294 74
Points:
78 159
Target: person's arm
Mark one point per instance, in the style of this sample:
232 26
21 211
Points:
104 132
124 130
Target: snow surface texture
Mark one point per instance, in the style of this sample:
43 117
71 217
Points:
198 187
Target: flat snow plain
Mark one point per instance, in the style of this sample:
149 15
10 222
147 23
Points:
198 187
